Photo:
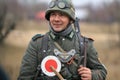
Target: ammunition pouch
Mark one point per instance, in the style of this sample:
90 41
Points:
69 71
66 73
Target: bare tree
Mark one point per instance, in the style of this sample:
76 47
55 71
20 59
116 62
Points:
107 13
117 15
6 20
113 13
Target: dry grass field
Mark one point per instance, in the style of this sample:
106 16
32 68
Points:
105 36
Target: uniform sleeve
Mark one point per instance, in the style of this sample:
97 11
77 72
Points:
99 71
29 62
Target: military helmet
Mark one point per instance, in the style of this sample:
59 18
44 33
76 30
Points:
65 6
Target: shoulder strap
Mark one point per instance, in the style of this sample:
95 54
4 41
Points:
44 44
42 49
83 48
82 45
37 36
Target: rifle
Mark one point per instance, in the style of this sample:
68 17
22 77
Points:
82 41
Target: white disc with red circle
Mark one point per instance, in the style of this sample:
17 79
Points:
49 61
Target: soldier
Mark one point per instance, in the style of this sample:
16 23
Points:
81 62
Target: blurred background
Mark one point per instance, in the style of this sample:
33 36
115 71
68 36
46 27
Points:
22 19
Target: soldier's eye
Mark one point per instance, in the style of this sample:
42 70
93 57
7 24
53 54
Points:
52 14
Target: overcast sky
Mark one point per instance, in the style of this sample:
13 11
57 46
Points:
79 13
75 2
82 2
82 13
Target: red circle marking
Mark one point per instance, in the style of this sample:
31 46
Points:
50 63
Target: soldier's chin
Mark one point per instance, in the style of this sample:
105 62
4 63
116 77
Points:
58 30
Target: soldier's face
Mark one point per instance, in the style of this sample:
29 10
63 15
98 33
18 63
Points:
59 21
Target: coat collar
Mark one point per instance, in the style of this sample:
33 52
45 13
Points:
55 37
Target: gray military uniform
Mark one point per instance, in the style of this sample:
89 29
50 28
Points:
33 58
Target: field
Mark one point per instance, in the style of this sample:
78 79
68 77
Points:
105 36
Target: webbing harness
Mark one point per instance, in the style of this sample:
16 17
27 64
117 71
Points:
44 48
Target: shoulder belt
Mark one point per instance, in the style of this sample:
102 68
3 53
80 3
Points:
44 44
83 46
84 40
42 49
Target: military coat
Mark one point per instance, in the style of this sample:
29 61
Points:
33 57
